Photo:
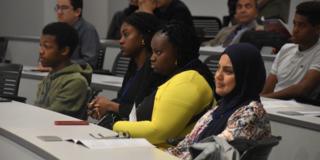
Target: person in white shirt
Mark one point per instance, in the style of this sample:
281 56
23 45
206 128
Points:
296 70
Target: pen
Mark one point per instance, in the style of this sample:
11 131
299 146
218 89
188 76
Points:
101 119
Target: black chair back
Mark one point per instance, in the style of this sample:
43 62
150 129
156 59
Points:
10 75
264 38
255 150
101 54
120 65
206 27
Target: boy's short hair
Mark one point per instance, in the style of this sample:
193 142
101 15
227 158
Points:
310 10
65 35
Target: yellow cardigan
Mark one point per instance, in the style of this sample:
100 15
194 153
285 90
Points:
176 102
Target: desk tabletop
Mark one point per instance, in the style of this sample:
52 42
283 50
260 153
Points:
107 82
293 113
22 123
210 50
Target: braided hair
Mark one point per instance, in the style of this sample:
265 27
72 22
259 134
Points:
184 40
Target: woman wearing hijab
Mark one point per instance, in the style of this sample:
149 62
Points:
177 104
239 114
139 80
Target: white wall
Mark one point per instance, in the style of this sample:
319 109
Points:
21 17
27 17
96 12
208 7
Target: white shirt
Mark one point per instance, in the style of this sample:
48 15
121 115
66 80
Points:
291 65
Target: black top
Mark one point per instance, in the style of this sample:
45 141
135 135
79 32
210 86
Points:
137 84
177 10
144 110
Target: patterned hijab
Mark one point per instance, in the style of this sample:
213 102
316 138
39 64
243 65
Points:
250 77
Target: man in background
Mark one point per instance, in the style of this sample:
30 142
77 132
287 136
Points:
295 72
70 11
245 17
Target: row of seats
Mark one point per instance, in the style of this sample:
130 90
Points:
10 75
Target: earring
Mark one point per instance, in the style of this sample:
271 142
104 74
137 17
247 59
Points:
142 43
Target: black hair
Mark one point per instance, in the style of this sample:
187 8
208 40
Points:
184 40
310 10
146 24
65 35
77 4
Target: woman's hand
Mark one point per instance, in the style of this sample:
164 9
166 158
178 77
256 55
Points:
98 107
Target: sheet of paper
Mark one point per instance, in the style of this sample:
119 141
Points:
301 113
272 103
218 49
116 143
311 113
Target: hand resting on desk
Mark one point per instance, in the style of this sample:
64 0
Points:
99 106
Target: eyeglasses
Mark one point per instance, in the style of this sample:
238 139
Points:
62 8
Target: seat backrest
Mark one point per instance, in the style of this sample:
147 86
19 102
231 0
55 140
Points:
206 27
264 38
101 54
10 79
120 65
3 48
256 150
212 63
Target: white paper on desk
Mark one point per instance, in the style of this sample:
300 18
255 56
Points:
271 103
116 143
133 114
217 49
309 113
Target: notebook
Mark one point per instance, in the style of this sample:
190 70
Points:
106 143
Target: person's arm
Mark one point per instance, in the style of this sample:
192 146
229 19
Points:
219 38
172 111
98 107
305 86
270 84
89 46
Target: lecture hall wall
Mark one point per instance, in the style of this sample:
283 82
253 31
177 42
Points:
28 18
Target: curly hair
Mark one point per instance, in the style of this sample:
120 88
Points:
310 10
65 35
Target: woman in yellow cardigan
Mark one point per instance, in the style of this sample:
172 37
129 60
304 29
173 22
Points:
173 108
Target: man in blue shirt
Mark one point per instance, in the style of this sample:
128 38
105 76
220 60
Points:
70 11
